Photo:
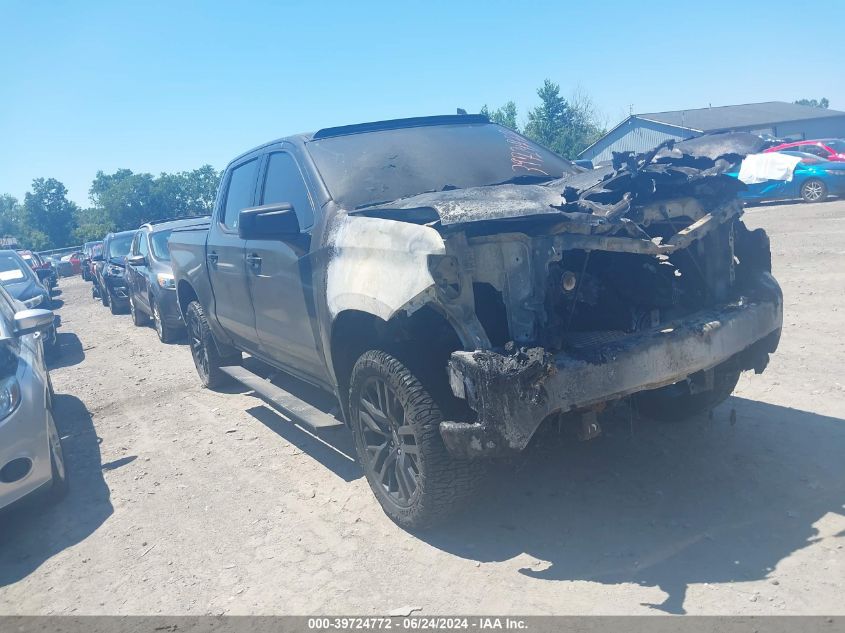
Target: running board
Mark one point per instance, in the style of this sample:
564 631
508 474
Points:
283 400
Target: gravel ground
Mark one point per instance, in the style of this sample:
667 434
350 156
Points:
187 501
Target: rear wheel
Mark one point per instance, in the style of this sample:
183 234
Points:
396 428
139 318
207 357
813 190
676 403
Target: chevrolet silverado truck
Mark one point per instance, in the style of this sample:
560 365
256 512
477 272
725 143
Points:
455 286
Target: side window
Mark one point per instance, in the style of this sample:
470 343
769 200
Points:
814 149
239 192
134 249
284 183
143 249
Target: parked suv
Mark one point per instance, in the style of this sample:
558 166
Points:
110 279
455 286
149 278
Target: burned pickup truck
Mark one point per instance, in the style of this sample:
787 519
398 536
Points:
455 286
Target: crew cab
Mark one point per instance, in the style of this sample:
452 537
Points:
454 286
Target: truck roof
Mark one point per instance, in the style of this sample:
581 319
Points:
373 126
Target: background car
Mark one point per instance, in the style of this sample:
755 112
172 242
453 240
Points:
75 261
47 274
149 277
810 182
62 267
22 284
829 148
110 270
31 458
89 249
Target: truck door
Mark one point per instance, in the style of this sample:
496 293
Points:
225 257
280 276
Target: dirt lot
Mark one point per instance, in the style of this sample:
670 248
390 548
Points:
189 501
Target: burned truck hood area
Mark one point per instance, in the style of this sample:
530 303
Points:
693 168
587 289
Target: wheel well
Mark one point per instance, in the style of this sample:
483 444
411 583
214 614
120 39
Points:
422 341
185 294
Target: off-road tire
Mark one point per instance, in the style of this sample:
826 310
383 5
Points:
166 334
443 484
813 190
139 317
104 296
666 405
207 358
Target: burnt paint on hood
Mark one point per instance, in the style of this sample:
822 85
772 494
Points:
458 206
695 167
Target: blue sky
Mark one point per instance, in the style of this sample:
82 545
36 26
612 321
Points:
168 86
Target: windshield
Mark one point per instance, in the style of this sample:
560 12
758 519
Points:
837 146
158 243
13 270
373 167
119 245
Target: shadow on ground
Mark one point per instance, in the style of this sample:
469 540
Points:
663 505
33 533
70 351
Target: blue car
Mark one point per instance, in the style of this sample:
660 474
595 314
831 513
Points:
813 180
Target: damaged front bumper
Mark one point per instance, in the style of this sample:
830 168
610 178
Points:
513 394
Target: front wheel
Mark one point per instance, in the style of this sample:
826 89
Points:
813 190
207 357
396 427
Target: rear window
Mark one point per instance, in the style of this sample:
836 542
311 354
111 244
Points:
372 167
837 146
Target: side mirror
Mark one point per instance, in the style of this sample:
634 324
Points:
268 222
43 273
136 260
97 258
29 321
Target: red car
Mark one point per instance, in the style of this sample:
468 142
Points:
829 148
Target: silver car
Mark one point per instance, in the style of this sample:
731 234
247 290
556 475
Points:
30 450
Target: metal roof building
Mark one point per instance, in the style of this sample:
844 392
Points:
641 132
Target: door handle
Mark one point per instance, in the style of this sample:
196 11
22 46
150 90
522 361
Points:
254 261
212 258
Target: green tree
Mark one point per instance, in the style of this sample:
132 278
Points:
10 211
821 103
563 126
124 200
47 218
506 115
